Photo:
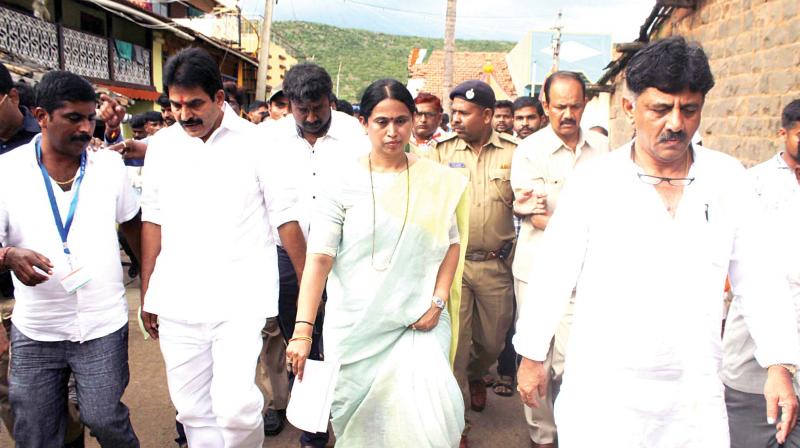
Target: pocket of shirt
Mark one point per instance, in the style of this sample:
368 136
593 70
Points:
501 180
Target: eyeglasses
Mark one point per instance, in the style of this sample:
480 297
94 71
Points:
427 114
674 181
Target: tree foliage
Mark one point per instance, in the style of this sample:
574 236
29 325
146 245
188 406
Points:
364 55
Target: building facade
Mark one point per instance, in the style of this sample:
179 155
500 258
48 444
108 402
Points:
754 52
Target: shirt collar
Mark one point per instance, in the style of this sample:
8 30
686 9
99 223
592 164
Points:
433 138
698 158
555 143
780 163
494 141
336 128
230 121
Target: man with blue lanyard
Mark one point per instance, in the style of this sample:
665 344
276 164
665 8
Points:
59 235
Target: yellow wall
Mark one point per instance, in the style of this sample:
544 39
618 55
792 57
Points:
279 63
157 69
250 44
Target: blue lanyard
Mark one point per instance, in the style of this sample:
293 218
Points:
63 229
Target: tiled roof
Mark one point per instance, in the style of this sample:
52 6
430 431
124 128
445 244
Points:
467 65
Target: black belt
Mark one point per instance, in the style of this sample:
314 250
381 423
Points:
485 255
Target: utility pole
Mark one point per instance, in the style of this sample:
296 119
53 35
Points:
449 49
338 72
557 41
263 54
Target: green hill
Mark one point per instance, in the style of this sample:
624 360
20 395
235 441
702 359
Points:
364 56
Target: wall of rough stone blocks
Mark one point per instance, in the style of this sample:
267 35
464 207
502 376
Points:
754 50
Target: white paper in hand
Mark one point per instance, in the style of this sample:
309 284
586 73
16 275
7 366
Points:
310 405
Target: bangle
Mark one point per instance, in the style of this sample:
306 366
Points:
304 322
3 252
301 338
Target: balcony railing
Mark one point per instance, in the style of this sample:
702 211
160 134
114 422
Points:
55 46
85 54
30 37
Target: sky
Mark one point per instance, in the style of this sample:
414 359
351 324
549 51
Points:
476 19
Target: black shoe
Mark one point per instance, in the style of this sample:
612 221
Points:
274 421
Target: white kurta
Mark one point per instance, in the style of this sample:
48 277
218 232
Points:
645 342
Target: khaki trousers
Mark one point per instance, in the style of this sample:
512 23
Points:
271 376
485 315
541 424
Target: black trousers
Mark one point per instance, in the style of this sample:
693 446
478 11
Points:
507 361
287 314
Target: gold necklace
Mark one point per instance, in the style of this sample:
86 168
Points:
66 182
405 215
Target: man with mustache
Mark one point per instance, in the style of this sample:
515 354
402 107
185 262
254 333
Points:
484 157
426 131
210 331
778 189
646 236
542 164
528 116
18 126
503 120
59 229
310 146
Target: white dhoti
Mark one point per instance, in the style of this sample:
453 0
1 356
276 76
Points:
211 377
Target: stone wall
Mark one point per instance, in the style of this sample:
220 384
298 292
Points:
754 50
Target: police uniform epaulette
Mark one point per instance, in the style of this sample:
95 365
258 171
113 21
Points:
509 137
447 137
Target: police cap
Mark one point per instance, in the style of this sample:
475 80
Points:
475 91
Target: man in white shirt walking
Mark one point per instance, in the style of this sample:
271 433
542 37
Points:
211 196
646 236
310 145
778 190
59 208
541 166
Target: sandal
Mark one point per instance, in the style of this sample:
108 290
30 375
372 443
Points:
504 386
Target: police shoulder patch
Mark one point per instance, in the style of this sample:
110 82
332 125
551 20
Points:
509 138
446 137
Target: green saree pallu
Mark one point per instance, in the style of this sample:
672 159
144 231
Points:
389 233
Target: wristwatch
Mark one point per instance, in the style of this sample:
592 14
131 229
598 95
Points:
439 302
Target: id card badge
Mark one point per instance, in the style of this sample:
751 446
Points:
75 280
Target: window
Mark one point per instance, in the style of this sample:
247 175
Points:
160 8
194 12
92 24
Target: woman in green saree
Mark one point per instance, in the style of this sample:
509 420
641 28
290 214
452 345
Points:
386 237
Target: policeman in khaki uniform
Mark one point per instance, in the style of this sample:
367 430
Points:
484 156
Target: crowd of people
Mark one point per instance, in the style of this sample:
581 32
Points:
411 249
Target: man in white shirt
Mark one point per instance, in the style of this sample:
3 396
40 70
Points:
646 235
311 144
59 208
778 190
541 166
211 197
